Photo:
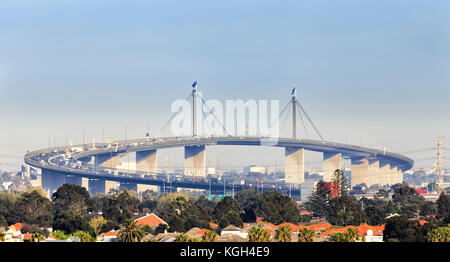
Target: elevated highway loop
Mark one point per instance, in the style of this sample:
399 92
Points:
369 166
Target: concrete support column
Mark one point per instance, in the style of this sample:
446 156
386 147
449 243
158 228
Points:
392 175
146 161
107 160
384 173
195 161
331 162
399 178
294 165
78 180
360 171
51 180
374 172
96 186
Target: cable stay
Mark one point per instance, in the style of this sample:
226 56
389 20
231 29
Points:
282 112
212 113
303 123
174 114
309 119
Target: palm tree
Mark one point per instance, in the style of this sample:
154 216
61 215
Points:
353 234
209 236
441 234
36 237
182 238
284 234
257 234
306 235
130 232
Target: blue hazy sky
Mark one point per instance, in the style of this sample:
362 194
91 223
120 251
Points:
368 72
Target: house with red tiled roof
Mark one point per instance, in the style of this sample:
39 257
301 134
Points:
201 232
16 227
27 237
110 236
150 220
213 225
294 228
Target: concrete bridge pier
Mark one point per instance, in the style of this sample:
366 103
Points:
107 160
51 180
146 161
398 176
195 161
294 165
384 173
78 180
374 173
393 175
101 186
331 162
360 171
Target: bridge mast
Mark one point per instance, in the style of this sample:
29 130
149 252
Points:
294 116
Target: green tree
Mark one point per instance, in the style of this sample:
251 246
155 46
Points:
224 206
390 208
441 234
3 222
407 201
97 224
283 234
345 211
258 234
120 208
306 235
33 208
374 215
209 236
83 236
400 229
443 208
59 234
319 201
341 181
182 238
2 237
352 235
69 222
276 208
7 201
73 197
230 218
130 232
37 237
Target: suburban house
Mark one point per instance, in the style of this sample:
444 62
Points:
150 220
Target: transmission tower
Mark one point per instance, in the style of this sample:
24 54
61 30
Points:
439 161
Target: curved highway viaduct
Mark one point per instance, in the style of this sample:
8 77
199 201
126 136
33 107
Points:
99 174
